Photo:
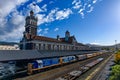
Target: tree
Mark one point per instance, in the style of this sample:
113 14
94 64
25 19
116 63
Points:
117 57
115 73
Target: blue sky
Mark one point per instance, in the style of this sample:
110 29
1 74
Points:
90 21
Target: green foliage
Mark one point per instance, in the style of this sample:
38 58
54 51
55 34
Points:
118 52
115 73
117 57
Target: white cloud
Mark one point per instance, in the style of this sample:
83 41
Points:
54 14
94 1
51 16
38 1
44 7
33 6
81 12
77 4
7 6
74 1
45 31
89 5
91 9
62 14
3 21
11 29
18 22
15 35
39 30
17 19
41 18
56 29
17 27
95 43
83 6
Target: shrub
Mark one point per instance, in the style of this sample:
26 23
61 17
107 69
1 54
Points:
115 73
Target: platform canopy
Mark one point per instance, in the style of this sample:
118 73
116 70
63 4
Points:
14 55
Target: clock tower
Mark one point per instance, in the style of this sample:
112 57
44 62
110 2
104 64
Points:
31 24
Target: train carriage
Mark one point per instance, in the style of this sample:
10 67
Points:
47 62
65 59
54 61
37 64
81 57
71 58
90 55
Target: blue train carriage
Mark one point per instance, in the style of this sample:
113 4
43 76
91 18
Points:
47 62
37 64
64 59
50 62
55 61
71 58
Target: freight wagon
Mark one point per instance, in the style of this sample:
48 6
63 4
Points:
90 55
81 57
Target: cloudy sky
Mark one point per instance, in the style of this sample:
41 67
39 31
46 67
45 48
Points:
91 21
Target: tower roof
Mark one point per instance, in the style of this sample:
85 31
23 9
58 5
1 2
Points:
67 31
31 12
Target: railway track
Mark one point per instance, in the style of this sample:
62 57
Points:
60 71
76 73
98 73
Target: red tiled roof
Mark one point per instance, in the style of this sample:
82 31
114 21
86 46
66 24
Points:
42 38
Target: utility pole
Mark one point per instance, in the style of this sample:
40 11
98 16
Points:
116 45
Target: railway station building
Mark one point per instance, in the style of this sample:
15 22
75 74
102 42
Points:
31 41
